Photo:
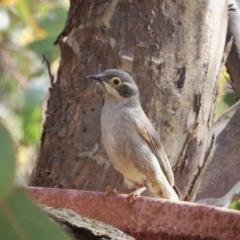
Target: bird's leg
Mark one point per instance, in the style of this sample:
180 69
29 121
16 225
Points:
133 196
109 190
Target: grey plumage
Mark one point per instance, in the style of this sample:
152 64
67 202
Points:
130 139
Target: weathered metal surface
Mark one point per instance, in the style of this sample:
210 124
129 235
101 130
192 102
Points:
148 218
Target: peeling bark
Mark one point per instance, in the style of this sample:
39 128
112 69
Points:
172 49
233 60
224 168
221 181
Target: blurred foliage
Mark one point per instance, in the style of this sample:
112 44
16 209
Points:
23 92
27 31
7 160
20 217
226 97
235 205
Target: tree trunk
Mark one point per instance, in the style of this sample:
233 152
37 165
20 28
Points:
221 181
233 60
224 168
173 49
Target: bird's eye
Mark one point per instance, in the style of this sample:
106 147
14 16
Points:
116 81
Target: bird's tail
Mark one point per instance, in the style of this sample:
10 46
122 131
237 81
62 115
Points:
171 194
178 192
165 190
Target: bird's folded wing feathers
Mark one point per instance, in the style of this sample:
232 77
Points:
148 133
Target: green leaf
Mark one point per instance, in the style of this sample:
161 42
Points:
23 9
45 47
230 98
22 219
235 205
7 161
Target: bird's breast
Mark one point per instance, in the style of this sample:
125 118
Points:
112 128
116 126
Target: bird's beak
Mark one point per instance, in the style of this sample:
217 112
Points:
98 77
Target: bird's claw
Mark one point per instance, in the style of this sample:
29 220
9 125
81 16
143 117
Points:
132 197
108 191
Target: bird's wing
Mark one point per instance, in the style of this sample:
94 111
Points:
148 133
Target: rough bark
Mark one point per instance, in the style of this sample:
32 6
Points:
221 182
224 168
172 49
233 60
83 228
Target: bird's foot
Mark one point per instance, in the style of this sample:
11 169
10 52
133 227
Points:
131 198
108 191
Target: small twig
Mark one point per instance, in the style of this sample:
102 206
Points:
49 70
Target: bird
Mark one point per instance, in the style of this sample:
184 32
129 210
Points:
131 142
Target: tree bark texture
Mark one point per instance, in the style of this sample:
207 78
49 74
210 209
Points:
233 60
83 228
221 181
224 168
173 49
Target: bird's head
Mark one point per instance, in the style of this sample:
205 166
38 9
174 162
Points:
117 84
